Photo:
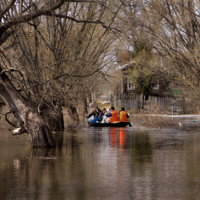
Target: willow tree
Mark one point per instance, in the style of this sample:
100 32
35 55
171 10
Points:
49 50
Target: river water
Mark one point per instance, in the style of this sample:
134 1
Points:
102 163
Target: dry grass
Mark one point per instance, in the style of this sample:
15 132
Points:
153 121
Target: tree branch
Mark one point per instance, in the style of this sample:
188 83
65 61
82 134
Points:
15 70
6 8
84 21
25 18
6 118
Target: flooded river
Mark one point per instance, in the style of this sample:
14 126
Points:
102 163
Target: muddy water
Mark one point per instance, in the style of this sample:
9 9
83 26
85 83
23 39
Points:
102 163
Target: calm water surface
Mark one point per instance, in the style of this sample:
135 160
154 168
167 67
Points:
102 163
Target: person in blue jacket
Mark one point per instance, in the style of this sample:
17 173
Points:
95 113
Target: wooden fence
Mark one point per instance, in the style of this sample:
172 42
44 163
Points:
155 104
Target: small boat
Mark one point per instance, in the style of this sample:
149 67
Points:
116 124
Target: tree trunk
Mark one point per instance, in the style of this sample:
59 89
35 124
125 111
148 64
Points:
73 113
56 123
30 121
82 109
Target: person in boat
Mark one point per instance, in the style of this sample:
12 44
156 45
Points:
95 113
105 118
101 115
123 115
113 115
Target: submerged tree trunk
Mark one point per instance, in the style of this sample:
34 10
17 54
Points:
30 121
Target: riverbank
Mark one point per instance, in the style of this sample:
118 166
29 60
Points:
165 121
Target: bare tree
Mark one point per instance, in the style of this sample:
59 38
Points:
170 29
53 57
177 38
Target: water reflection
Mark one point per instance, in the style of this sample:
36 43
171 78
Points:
113 136
102 163
16 164
141 148
122 138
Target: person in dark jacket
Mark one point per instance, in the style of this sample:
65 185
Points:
95 113
99 118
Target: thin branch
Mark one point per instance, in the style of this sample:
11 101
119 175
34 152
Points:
31 16
12 70
6 8
6 118
66 74
15 70
84 21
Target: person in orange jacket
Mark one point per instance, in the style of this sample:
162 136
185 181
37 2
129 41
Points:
113 115
123 116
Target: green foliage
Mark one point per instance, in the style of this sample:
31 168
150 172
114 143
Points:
140 73
177 93
140 47
144 89
144 84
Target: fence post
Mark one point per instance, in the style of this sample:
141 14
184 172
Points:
115 100
111 99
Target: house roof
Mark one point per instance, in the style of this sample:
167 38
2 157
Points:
124 57
126 66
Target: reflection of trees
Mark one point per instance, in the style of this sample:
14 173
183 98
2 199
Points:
12 163
165 143
141 148
96 138
27 175
42 152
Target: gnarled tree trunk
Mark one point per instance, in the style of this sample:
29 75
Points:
30 121
56 123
